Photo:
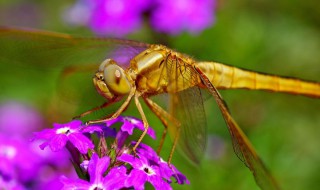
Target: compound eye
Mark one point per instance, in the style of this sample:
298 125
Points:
115 79
105 63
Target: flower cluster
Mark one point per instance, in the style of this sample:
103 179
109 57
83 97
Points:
102 165
22 164
120 17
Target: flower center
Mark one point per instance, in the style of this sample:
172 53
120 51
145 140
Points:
64 130
149 170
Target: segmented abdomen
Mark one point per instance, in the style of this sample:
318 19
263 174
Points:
226 77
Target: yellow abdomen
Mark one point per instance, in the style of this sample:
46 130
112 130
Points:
226 77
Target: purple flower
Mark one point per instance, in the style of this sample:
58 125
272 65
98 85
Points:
16 158
109 17
117 17
172 171
52 183
149 167
118 167
10 184
47 157
108 132
143 171
175 16
121 17
17 119
22 166
166 171
57 137
129 124
96 168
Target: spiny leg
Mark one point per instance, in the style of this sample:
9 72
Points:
175 142
163 116
105 104
159 112
144 120
119 111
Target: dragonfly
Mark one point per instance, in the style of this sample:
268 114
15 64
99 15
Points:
131 71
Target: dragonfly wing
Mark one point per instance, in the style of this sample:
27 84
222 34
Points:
49 49
187 107
34 63
241 144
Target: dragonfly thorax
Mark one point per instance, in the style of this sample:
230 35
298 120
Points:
111 80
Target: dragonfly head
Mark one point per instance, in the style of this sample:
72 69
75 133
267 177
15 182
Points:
111 80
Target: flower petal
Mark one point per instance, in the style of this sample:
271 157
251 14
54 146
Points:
116 178
132 160
78 184
97 166
57 142
81 142
137 179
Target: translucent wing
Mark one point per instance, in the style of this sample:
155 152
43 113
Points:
49 49
241 143
35 63
186 105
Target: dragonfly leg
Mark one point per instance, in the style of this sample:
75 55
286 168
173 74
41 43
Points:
119 111
175 142
105 104
164 117
144 119
163 137
160 113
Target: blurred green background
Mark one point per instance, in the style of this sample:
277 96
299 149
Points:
276 36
